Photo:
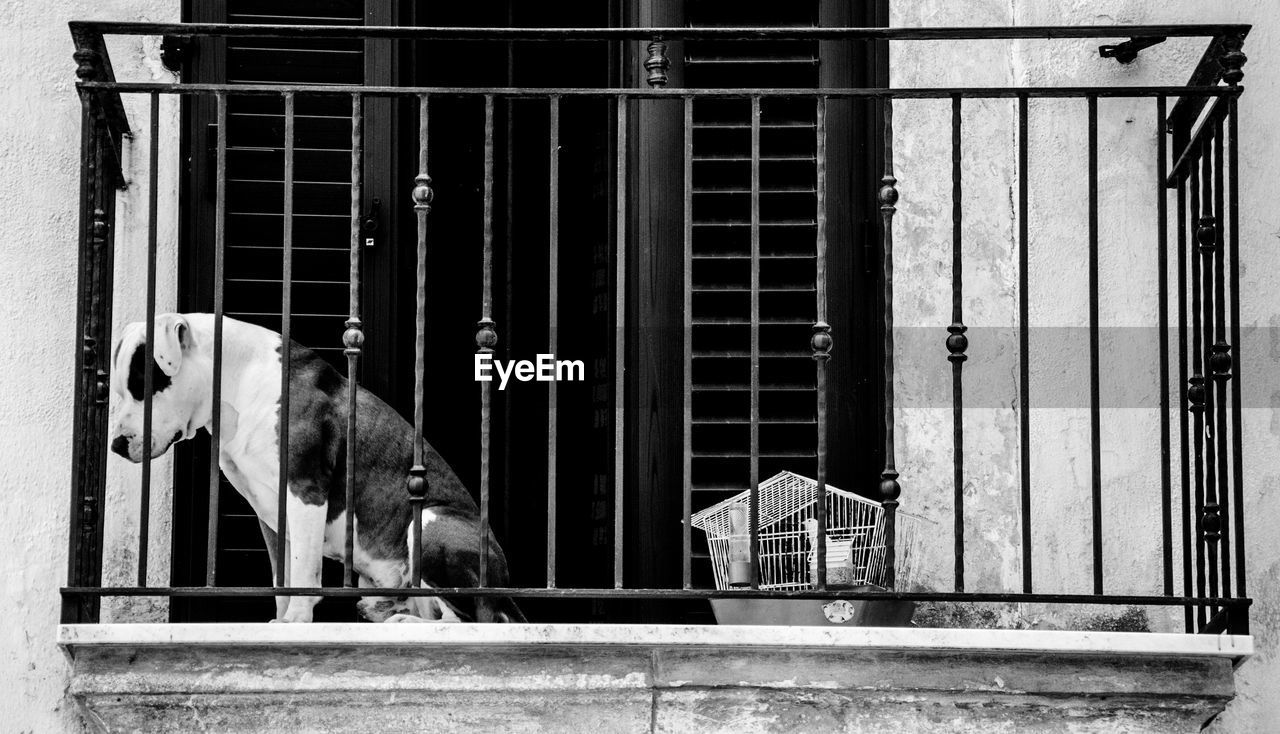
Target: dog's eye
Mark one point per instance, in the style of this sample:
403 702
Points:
137 378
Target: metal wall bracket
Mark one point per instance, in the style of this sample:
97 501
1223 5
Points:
1127 51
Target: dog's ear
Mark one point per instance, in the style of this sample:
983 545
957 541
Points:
173 338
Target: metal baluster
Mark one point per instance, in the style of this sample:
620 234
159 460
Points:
353 337
1024 346
1183 407
687 480
821 341
1162 290
1206 233
83 504
619 342
1195 388
1220 361
219 267
417 484
1232 61
553 334
1184 438
890 489
753 506
153 198
286 345
486 340
957 342
1095 416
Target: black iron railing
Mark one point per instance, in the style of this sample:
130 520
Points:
1197 157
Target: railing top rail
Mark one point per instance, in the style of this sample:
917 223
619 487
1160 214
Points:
661 93
1196 30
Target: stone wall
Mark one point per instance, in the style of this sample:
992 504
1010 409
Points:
1058 222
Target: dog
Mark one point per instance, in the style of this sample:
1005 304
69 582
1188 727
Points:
182 389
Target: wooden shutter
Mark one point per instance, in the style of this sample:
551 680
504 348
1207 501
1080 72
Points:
721 278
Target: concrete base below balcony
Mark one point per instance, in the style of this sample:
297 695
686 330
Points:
624 678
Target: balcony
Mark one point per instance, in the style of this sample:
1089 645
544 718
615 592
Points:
691 246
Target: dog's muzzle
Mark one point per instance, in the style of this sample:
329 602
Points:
120 445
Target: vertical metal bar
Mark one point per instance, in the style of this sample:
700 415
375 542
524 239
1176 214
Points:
1220 360
1095 419
219 266
1195 388
1184 438
486 340
1024 343
619 342
890 489
153 199
956 341
553 333
687 453
1206 234
1162 289
417 483
508 251
286 344
754 487
821 341
84 442
353 337
1237 457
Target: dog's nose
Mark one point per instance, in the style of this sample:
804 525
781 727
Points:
121 446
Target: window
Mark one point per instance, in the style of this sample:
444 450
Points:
654 444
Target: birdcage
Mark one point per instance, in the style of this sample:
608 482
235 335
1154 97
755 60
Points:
788 537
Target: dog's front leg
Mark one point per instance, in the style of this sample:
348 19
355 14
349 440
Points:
269 536
306 523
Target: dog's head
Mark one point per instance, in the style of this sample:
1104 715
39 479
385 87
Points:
180 383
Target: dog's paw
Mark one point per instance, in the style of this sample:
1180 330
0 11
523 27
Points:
405 619
295 616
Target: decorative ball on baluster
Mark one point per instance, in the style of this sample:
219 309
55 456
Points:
417 484
353 338
821 340
423 195
99 224
87 61
1205 234
486 336
1233 59
957 342
1212 522
889 487
1220 360
889 194
1195 393
657 63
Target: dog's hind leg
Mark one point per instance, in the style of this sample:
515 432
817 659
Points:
306 526
384 575
270 537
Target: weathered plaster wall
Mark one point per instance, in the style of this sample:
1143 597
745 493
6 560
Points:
1059 286
39 151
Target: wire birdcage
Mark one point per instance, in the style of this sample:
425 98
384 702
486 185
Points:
788 537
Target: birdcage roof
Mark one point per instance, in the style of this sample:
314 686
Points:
780 496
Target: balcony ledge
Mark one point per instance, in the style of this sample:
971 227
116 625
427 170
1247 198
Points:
364 677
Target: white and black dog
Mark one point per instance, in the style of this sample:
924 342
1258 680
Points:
316 501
